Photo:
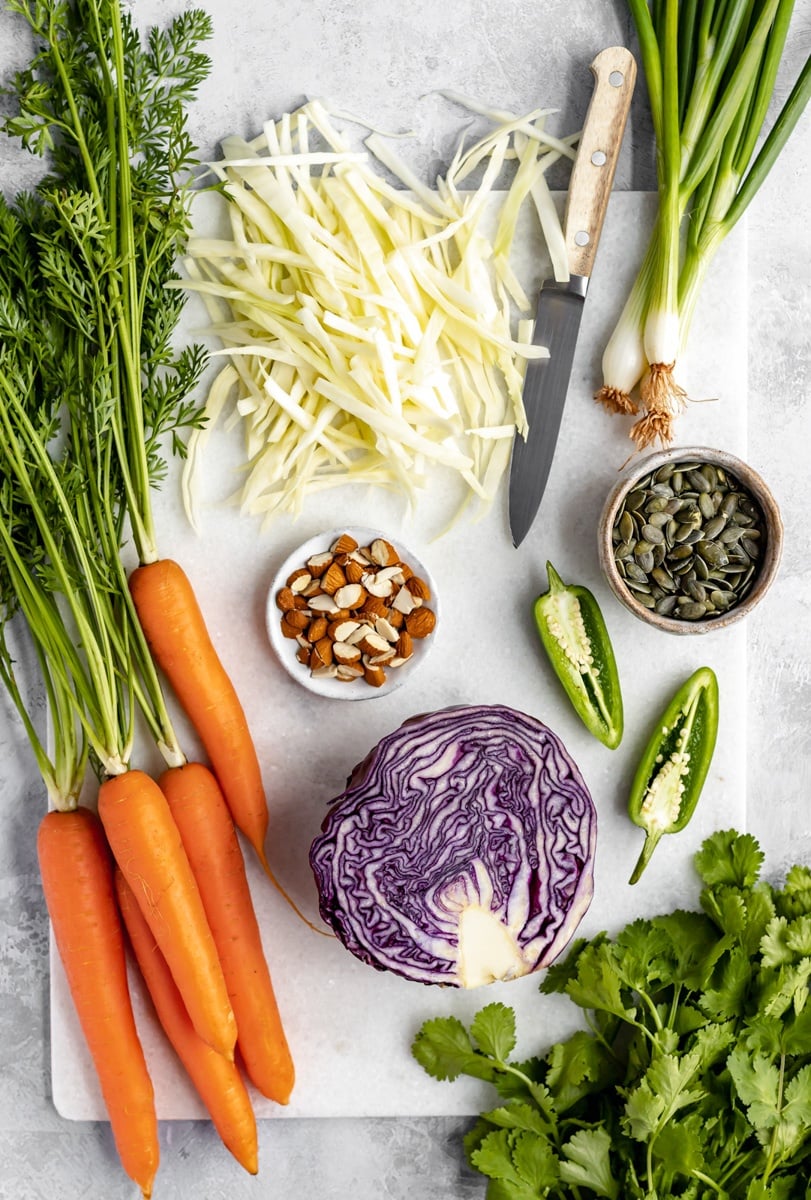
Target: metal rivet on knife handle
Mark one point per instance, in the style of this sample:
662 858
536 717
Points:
614 71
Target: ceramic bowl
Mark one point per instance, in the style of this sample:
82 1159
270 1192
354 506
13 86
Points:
287 647
768 560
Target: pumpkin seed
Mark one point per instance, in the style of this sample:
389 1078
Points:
706 505
693 611
714 527
688 540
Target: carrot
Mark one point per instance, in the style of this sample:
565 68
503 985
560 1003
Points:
176 632
146 845
218 1081
77 878
208 834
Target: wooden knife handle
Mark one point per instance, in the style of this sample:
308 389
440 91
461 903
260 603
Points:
592 175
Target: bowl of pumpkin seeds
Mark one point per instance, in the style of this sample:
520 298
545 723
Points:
690 539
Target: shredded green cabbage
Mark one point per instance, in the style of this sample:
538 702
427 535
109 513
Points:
370 330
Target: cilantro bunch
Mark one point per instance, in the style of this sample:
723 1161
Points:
693 1078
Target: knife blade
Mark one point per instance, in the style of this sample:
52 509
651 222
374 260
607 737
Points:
560 303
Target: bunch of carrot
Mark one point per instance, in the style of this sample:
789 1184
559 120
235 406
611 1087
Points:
85 328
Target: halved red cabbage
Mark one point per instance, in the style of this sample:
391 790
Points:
461 851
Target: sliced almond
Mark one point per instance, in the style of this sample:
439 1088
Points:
374 676
344 653
350 596
285 599
396 618
385 629
332 579
395 574
326 672
418 587
421 622
344 544
341 631
349 671
357 635
297 619
321 654
318 563
299 580
288 629
322 603
374 606
373 644
303 654
313 588
376 586
354 571
404 602
405 644
383 553
317 629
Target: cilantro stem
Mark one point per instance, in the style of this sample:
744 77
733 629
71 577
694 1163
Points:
709 1182
770 1163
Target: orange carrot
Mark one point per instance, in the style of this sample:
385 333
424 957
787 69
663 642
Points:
217 1080
77 878
208 834
146 845
176 632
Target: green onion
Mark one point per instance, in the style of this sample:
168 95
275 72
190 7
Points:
711 71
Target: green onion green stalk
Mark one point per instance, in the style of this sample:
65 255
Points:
711 71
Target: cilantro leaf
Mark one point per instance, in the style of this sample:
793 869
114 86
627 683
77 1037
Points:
795 1117
692 946
666 1087
757 1082
728 998
642 955
796 1033
774 945
443 1048
729 857
524 1161
586 1162
493 1029
519 1115
536 1162
680 1149
597 983
786 988
558 974
795 898
578 1065
799 936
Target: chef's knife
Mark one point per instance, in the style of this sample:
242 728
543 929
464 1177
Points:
560 304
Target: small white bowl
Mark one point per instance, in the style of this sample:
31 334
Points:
751 482
286 647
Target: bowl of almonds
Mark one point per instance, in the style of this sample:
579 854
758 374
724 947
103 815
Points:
690 539
351 613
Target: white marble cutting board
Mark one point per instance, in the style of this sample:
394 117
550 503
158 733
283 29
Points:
351 1027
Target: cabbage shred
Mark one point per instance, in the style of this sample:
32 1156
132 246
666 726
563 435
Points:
371 332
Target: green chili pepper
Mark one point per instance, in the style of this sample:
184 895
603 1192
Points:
672 771
575 638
